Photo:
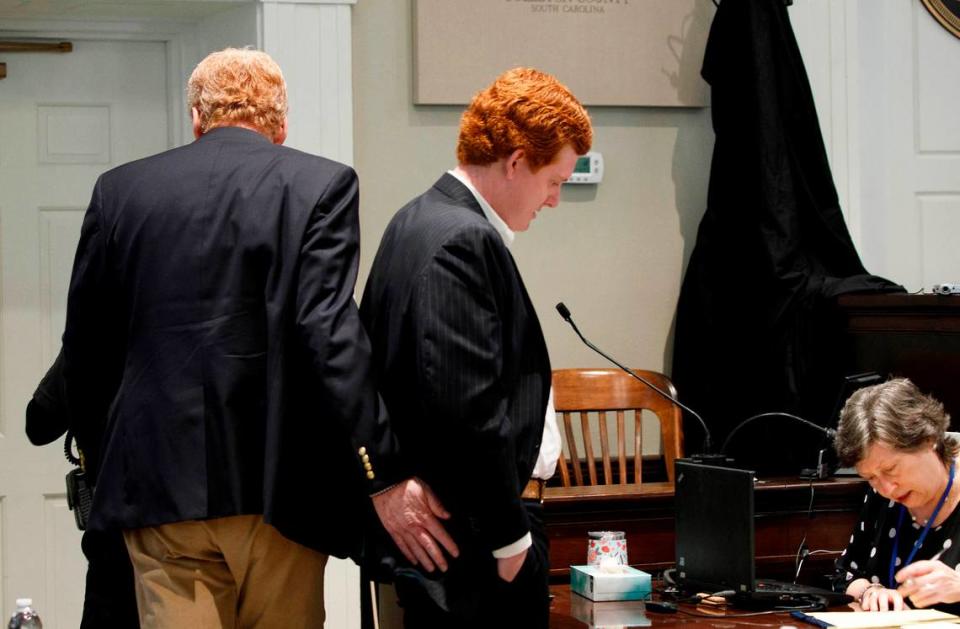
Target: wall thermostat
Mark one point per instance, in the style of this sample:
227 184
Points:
588 169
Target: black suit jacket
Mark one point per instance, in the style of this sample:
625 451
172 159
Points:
460 360
211 321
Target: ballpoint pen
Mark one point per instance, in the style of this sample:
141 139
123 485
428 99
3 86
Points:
936 556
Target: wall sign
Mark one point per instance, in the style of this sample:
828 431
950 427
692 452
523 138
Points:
609 52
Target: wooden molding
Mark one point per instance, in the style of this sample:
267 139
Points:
20 46
23 46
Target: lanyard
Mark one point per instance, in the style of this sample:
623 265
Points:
923 534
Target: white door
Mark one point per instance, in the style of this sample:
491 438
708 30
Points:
64 119
911 145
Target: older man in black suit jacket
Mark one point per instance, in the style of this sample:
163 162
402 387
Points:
216 369
460 357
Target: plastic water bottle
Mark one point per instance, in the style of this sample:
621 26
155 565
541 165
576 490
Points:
26 617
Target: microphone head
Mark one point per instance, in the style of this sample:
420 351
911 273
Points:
564 312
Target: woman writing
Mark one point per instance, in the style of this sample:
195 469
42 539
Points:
906 546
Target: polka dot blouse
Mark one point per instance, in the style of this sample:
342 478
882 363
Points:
867 555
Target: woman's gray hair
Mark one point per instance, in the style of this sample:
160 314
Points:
897 414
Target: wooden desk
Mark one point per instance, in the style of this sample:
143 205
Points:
561 616
646 514
917 336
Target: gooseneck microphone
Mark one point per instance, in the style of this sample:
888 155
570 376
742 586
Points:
565 313
829 432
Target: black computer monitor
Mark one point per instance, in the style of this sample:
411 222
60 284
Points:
714 527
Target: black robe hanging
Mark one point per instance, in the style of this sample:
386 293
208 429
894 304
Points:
755 328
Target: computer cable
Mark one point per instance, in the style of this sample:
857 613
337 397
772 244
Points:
802 551
669 607
672 591
670 588
661 607
811 606
717 599
667 576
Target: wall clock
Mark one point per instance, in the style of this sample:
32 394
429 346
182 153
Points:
947 12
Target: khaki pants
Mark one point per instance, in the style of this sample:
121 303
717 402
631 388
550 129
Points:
226 573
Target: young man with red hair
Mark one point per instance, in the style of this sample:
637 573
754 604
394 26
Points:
460 357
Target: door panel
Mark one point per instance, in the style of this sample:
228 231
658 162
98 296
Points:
64 119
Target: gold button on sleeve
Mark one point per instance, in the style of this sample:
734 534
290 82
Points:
362 451
365 457
370 475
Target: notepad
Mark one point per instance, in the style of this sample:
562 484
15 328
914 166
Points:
869 620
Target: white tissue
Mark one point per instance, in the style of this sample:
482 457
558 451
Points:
609 565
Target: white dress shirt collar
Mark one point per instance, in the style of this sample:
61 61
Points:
505 232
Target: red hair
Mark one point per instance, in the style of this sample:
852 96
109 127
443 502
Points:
523 109
238 86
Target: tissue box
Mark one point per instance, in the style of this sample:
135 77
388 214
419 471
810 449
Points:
630 585
609 614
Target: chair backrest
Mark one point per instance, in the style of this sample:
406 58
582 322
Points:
593 393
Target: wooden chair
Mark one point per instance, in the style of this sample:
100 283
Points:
591 394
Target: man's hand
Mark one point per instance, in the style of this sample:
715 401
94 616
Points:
409 512
508 567
928 582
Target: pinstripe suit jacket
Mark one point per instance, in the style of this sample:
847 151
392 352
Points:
460 360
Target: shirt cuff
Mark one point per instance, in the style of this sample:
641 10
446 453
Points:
515 548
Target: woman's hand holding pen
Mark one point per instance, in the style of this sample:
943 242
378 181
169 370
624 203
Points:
928 582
